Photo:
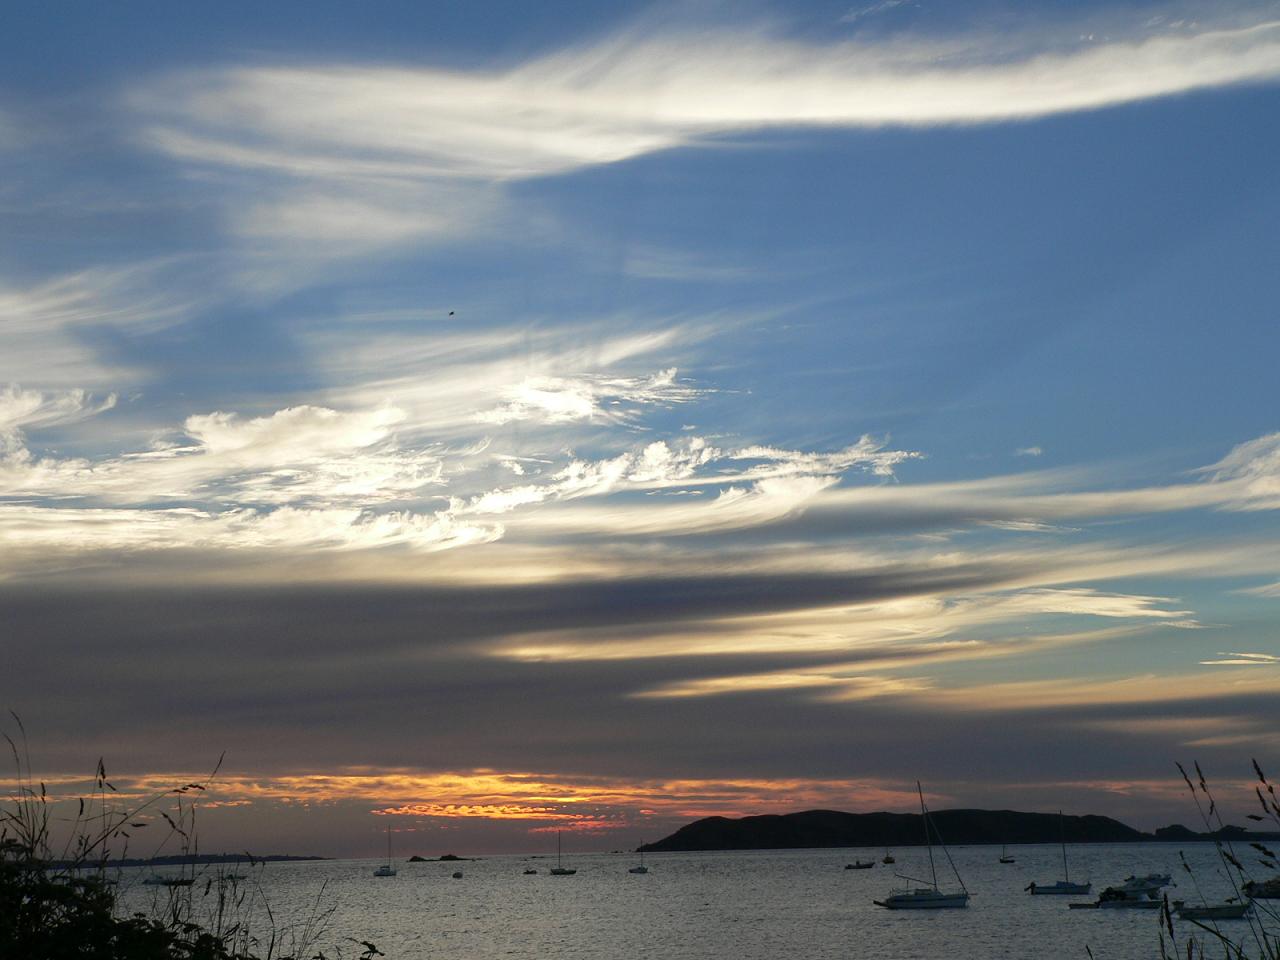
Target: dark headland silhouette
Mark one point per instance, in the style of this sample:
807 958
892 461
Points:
831 828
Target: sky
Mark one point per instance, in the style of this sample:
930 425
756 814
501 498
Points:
480 420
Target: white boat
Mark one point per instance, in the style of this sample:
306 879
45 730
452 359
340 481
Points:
386 870
1064 885
1217 911
640 867
930 897
560 870
922 898
1148 886
1115 898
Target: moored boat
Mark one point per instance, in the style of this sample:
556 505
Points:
1115 898
639 867
1215 911
386 870
1146 886
1064 885
1266 890
158 880
927 897
560 870
922 898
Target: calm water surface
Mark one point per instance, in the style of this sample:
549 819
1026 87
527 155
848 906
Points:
756 905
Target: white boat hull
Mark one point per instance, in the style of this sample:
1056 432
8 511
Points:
925 899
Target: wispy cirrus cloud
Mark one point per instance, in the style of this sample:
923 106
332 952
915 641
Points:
45 323
563 400
1244 660
385 153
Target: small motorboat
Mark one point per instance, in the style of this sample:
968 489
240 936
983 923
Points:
1216 911
1148 886
1116 898
1266 890
157 880
457 874
860 865
528 873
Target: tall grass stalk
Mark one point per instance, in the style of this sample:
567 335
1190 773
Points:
1260 939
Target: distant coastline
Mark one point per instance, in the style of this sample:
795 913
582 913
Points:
832 828
178 860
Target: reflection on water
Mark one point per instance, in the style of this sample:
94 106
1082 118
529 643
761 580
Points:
739 906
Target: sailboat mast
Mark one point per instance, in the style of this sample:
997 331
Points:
924 816
1062 834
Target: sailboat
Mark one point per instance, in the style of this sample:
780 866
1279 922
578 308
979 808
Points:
386 870
640 867
930 897
1004 855
559 870
1064 885
888 857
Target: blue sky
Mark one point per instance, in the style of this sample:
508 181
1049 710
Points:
753 370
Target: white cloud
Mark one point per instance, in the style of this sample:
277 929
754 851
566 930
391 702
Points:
384 151
80 530
41 323
1265 590
1251 471
854 14
299 455
565 399
27 409
1244 660
1028 452
636 93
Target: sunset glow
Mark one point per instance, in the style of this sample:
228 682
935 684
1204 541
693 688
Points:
482 421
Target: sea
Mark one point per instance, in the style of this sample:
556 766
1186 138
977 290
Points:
741 905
